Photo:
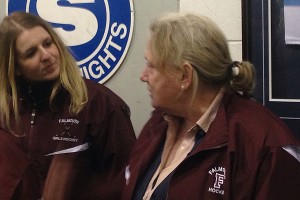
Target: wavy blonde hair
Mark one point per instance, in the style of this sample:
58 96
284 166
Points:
70 78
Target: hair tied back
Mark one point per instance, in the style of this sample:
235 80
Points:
234 68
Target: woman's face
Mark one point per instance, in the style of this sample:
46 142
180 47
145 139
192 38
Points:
164 88
37 56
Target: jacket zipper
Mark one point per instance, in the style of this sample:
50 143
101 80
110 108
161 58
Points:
32 121
33 113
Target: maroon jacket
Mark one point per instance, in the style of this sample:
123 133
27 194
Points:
66 157
240 157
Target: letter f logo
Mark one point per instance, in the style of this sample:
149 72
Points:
219 180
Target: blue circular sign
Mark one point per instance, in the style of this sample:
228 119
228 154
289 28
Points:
98 32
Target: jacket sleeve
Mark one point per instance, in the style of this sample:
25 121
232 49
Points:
280 175
16 179
113 150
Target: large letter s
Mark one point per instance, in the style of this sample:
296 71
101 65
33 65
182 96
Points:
84 21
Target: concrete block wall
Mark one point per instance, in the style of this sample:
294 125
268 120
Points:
227 14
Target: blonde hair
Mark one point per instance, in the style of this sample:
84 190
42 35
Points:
177 38
70 78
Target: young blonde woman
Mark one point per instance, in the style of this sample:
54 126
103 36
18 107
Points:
62 137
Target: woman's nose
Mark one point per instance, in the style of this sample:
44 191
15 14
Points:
45 55
143 76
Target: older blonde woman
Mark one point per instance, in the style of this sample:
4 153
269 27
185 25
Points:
206 138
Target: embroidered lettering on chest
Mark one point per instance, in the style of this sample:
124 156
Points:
219 175
66 133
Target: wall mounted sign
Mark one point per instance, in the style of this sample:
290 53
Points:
98 32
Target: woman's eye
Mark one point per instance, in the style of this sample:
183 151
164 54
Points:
148 64
48 43
29 54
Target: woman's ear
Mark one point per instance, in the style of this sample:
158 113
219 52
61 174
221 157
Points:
187 75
